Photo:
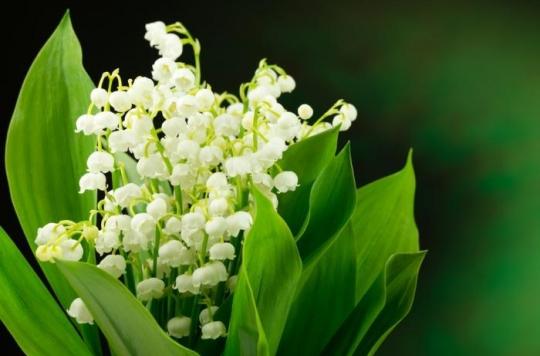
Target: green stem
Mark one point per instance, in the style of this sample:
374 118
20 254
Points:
194 319
156 250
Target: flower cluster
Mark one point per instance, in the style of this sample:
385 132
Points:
182 159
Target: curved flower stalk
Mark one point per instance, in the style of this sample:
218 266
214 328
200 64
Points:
175 232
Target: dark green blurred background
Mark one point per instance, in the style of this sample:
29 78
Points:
459 82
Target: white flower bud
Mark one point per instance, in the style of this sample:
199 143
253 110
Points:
92 181
241 220
48 233
184 79
179 326
349 111
80 312
48 253
218 207
204 316
188 149
115 265
286 83
105 120
170 46
285 181
205 99
163 69
143 223
157 208
71 250
222 251
213 330
107 241
120 101
305 111
134 241
173 226
184 284
342 120
193 221
216 226
141 92
99 97
126 194
174 254
90 233
258 94
100 161
151 288
217 181
288 126
155 31
210 274
86 124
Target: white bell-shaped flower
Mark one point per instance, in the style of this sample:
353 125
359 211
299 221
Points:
174 126
343 121
173 226
120 101
100 161
157 208
86 124
48 233
184 284
204 315
71 250
186 106
125 195
152 167
216 226
210 156
227 125
222 251
134 241
218 207
151 288
183 175
238 166
288 126
349 111
174 254
107 241
92 181
141 92
285 181
170 46
80 312
99 97
105 120
205 99
305 111
120 141
286 83
179 326
48 253
155 31
184 79
144 223
210 274
217 181
163 69
241 220
213 330
118 223
115 265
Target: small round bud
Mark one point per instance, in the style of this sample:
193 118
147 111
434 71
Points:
286 83
99 97
305 111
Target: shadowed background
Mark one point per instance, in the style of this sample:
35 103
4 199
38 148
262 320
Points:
458 82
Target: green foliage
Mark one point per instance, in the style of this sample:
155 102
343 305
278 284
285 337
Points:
128 326
269 273
44 157
29 312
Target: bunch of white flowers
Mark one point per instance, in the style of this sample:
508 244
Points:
174 229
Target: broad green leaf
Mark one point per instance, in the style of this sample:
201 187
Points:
29 312
386 303
381 225
307 159
128 326
270 270
44 156
331 203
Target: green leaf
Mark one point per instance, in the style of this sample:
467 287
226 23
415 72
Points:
381 225
128 326
387 302
44 156
266 285
307 159
130 167
331 203
29 312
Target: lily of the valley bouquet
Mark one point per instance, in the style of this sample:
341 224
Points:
171 219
